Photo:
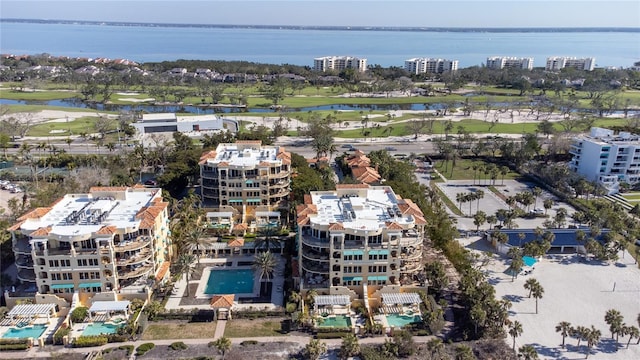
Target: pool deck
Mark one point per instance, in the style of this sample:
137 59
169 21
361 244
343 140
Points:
277 295
52 325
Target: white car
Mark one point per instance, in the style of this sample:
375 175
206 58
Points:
15 190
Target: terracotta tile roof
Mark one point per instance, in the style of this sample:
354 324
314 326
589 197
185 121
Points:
303 220
237 242
223 163
306 209
352 186
36 213
222 301
264 164
284 156
366 175
107 230
43 231
307 199
162 271
16 226
420 220
149 214
358 161
393 225
336 226
409 207
240 227
207 155
139 186
108 188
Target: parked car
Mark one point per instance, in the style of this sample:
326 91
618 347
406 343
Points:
16 190
390 148
151 182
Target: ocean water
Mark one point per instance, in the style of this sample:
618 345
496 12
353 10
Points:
299 47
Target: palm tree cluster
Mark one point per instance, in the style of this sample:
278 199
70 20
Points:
618 327
592 336
535 289
470 197
581 333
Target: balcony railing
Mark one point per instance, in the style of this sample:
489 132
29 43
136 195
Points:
140 257
279 175
22 246
26 275
139 243
315 256
311 241
137 272
315 267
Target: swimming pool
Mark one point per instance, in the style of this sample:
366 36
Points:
238 281
397 320
529 261
34 331
335 321
98 328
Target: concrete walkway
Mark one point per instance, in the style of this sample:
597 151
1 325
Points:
220 326
302 340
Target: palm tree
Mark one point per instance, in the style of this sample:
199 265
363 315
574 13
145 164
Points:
564 328
314 349
515 266
547 204
527 352
515 330
537 293
435 347
350 346
536 193
195 240
223 345
265 263
267 238
614 319
580 333
530 284
185 267
593 338
633 332
464 352
491 220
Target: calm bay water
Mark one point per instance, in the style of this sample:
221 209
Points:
387 48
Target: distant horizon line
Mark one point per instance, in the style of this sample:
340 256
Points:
330 27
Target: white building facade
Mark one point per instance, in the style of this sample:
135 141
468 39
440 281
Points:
501 62
607 158
359 237
339 63
170 122
430 65
556 63
111 239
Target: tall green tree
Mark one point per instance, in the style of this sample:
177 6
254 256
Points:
515 330
564 328
265 263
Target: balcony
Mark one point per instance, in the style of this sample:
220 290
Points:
136 272
279 175
315 256
139 243
210 174
318 268
24 262
279 184
411 267
140 257
311 241
22 246
26 275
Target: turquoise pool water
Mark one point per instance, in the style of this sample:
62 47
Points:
98 328
397 320
238 281
337 321
529 261
26 332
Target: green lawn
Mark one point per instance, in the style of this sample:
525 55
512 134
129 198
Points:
80 125
35 95
179 329
464 171
252 328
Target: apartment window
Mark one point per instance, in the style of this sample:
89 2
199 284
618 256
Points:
61 276
90 275
87 262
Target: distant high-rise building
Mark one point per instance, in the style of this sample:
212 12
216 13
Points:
607 158
430 65
339 63
501 62
556 63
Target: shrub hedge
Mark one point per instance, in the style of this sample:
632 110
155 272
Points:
331 335
178 345
257 314
248 342
143 348
88 341
60 334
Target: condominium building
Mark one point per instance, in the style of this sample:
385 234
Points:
606 157
111 239
245 177
170 122
359 239
429 65
501 62
556 63
339 63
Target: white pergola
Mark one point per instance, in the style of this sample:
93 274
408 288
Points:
32 311
400 298
331 300
108 307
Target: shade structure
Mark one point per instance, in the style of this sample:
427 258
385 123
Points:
31 310
400 298
104 306
323 300
267 213
91 285
62 286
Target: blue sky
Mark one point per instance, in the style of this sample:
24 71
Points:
426 13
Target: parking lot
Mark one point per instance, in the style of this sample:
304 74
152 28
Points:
491 203
5 195
574 291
